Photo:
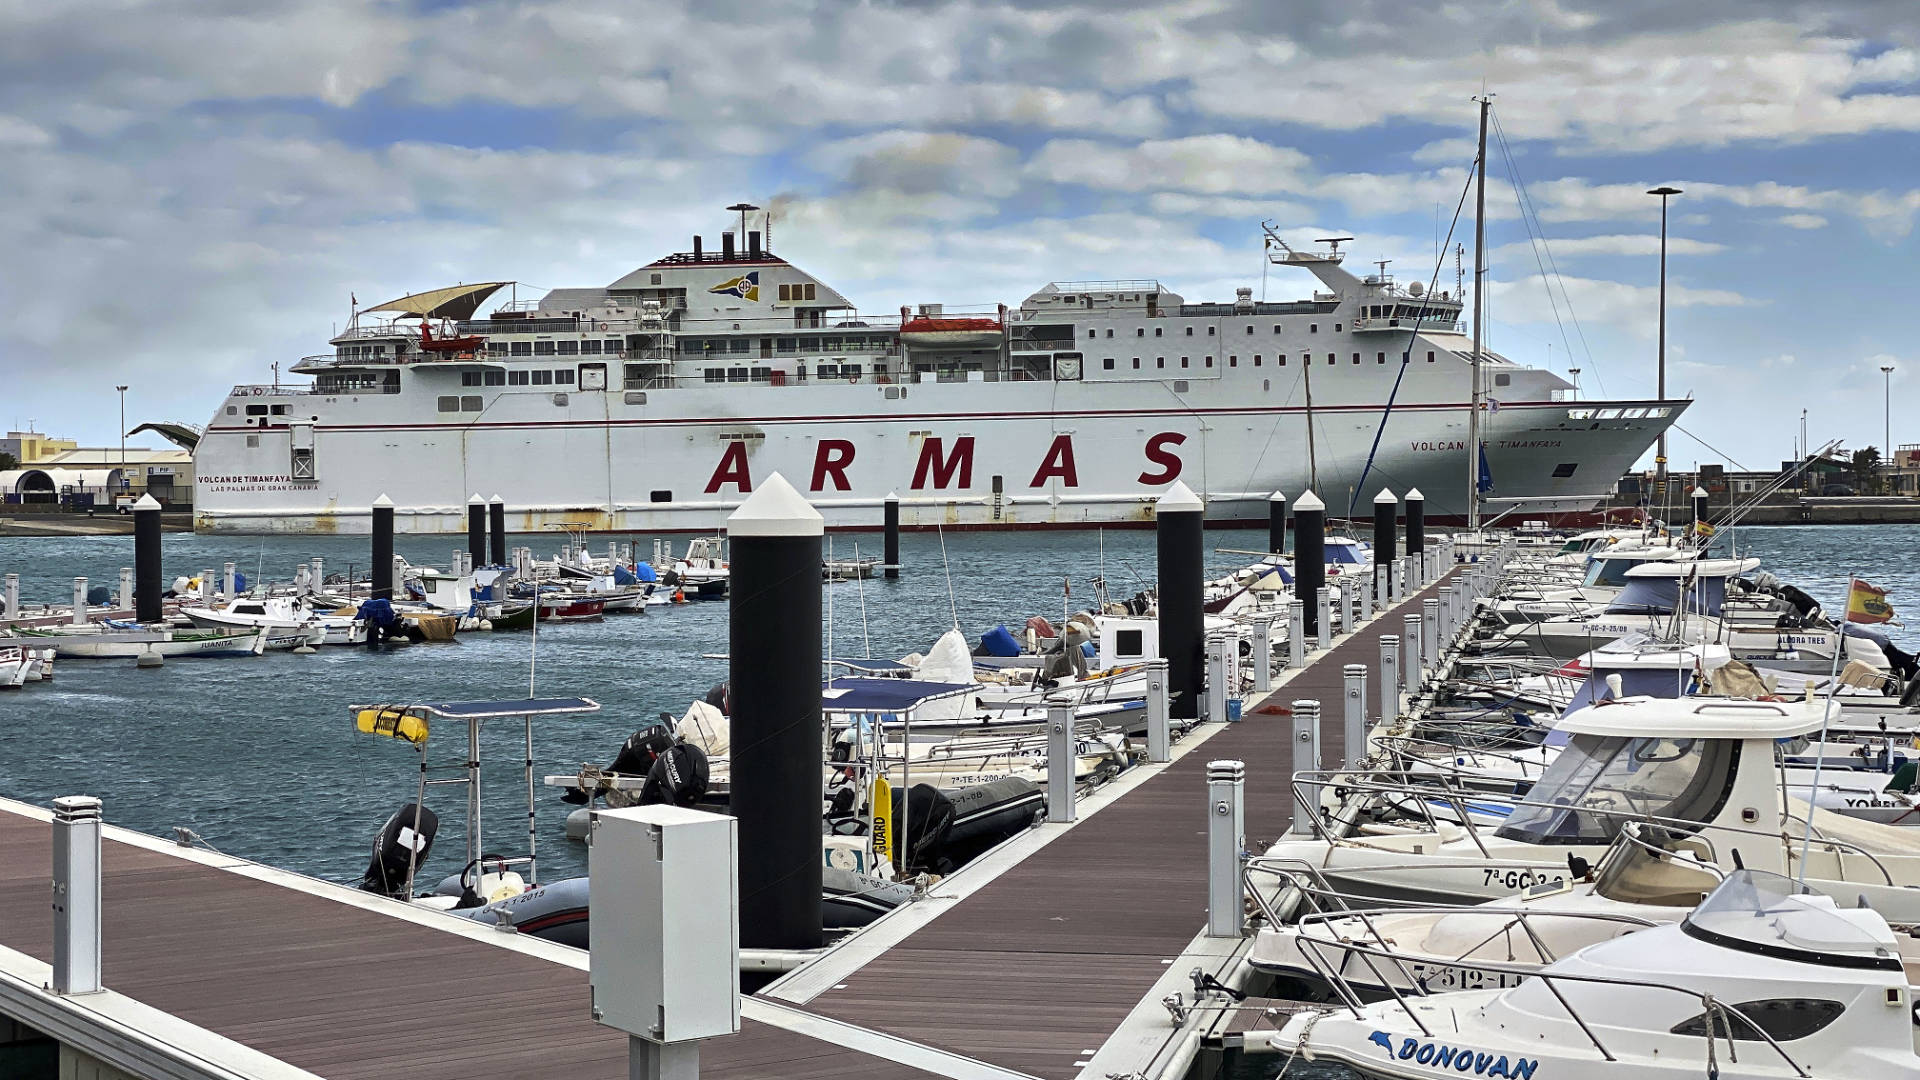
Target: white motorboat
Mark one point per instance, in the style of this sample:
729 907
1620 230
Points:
108 642
22 664
1765 980
335 626
1704 766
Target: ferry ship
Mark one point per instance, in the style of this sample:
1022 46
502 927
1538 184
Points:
657 402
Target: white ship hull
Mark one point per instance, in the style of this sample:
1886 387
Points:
984 460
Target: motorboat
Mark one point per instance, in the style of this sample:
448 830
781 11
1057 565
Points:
337 626
1766 979
110 641
22 664
1704 766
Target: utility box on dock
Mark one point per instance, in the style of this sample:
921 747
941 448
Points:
665 933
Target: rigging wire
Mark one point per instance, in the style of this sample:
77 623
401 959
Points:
1406 358
1527 209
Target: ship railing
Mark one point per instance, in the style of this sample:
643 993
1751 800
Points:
269 390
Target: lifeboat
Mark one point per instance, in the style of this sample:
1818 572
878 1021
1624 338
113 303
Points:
934 332
429 343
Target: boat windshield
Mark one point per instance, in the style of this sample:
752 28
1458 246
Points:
1611 573
1661 595
1653 865
1635 682
1764 913
1600 781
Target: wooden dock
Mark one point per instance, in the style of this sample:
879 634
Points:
1047 958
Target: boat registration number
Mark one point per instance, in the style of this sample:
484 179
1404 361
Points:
1521 879
1443 978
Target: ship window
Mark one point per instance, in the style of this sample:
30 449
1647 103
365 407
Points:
1209 361
449 403
232 411
1184 362
1356 358
542 377
1313 328
256 410
591 347
1429 356
495 378
613 345
253 442
786 344
760 374
1107 364
563 375
1256 359
1336 328
1179 386
737 374
809 287
828 371
1109 331
1332 359
1157 330
1250 329
1093 333
497 348
1136 363
851 371
1209 331
469 378
1266 384
1159 361
1785 1019
715 374
1380 358
1189 331
660 496
1503 379
1139 331
1406 356
567 348
786 292
1233 361
1276 328
521 348
636 397
470 403
559 399
516 378
1564 469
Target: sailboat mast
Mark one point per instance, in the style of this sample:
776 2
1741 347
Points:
1473 362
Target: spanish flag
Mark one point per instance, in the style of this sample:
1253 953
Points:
1866 604
1702 528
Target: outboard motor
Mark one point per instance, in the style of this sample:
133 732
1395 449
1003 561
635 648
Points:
405 840
636 757
717 697
678 777
929 817
1805 606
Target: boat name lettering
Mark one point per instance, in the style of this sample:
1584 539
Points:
237 478
1528 444
1521 879
941 464
1422 446
1457 1059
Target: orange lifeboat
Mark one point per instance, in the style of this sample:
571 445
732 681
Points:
429 343
937 332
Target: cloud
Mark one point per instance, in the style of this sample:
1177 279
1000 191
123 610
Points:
1631 244
1802 221
1600 301
1206 164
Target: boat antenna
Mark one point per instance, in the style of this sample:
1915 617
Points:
828 586
533 647
953 605
860 586
1826 714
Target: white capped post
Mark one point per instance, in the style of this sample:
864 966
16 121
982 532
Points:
1262 653
1306 759
76 895
228 581
124 601
1411 642
1296 633
1323 606
206 586
1354 720
1159 739
1219 679
1060 763
1430 630
1396 580
1226 840
79 617
13 596
1389 677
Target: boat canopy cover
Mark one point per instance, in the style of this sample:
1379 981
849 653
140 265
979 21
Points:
1346 552
1696 718
456 302
481 710
1659 595
857 693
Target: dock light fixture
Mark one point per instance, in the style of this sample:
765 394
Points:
1660 456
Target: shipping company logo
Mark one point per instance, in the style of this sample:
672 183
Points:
746 287
1455 1059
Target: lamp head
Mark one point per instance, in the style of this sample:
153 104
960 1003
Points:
1663 192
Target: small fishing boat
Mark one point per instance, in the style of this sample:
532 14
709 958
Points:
568 609
22 664
339 626
111 642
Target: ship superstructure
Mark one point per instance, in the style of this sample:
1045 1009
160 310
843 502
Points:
656 402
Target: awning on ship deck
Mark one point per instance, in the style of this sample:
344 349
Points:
456 302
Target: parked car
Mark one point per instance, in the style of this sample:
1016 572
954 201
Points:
1838 489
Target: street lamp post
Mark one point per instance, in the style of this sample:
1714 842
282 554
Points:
1886 436
1660 455
123 443
1575 372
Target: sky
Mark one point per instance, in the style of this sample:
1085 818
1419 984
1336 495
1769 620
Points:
196 188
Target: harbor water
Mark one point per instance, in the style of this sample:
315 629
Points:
259 756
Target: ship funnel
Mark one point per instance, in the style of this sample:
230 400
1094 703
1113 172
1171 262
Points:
726 245
696 247
753 244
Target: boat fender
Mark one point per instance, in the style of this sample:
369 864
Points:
679 776
406 837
